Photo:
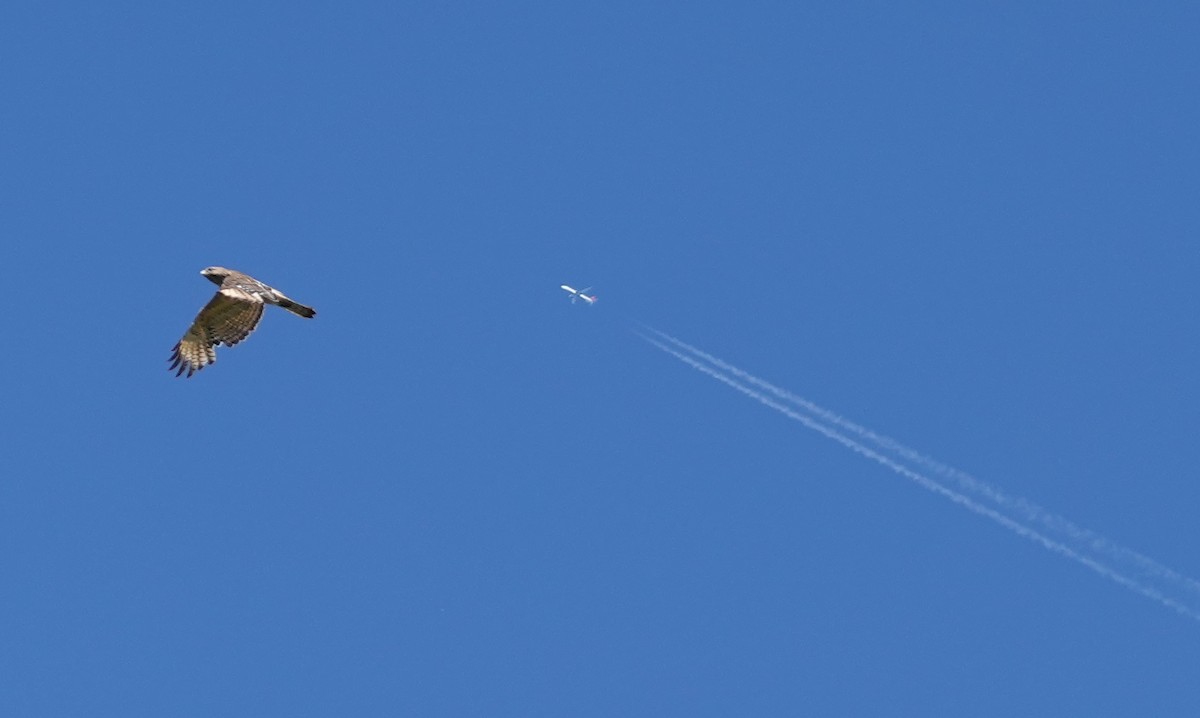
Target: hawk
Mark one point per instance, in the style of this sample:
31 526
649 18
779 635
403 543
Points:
228 318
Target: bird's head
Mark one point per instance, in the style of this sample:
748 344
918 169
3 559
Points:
216 275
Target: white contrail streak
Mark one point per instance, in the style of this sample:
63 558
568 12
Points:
933 486
1029 511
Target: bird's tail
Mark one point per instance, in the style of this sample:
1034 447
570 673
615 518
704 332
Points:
297 308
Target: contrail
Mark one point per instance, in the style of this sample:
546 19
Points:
929 484
1029 511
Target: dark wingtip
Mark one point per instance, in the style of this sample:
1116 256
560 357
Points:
178 362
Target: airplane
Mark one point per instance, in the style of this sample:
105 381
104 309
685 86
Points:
579 294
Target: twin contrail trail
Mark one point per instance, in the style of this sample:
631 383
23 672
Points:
1073 542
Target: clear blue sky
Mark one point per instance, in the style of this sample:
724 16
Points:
452 493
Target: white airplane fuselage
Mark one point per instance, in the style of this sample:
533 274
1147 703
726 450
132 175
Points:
578 294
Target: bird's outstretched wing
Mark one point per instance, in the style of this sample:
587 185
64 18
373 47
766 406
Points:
227 319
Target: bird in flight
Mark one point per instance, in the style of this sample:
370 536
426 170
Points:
228 318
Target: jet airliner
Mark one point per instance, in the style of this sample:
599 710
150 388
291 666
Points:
579 294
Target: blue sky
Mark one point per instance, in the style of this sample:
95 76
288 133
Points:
970 227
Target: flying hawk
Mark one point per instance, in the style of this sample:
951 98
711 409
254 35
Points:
228 318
